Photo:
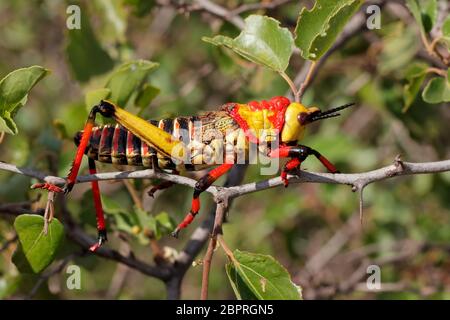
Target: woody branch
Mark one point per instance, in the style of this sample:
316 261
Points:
356 180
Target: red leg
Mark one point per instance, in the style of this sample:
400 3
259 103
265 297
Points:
72 176
289 166
201 186
87 131
299 153
101 227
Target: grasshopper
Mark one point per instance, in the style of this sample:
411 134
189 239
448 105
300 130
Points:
218 139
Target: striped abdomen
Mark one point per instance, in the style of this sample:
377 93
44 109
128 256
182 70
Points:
117 145
200 134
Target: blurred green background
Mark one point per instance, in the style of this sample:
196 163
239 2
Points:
292 224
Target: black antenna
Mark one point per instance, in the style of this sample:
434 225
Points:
330 113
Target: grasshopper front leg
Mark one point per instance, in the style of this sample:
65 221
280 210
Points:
298 154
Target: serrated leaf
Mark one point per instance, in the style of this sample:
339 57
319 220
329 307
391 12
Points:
260 276
437 90
262 41
86 56
14 89
318 28
127 79
415 75
38 248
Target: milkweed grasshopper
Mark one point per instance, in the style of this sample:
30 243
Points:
218 138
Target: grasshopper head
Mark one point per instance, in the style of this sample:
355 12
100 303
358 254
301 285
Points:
298 116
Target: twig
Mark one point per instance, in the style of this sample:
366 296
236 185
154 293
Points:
437 71
207 266
258 6
85 241
200 236
308 78
156 249
221 12
222 206
294 90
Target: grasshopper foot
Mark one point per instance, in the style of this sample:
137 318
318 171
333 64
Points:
47 186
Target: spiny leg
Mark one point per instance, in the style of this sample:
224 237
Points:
72 176
298 154
201 186
100 217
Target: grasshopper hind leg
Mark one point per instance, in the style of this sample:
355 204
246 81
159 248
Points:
201 186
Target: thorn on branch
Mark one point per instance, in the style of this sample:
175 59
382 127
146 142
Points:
398 162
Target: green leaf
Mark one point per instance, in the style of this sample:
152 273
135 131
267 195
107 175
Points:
14 89
20 260
424 12
415 75
262 41
429 14
446 32
128 78
111 206
164 225
38 248
240 288
437 90
146 95
93 97
318 28
86 56
261 277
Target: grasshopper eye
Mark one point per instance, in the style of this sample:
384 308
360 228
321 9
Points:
303 118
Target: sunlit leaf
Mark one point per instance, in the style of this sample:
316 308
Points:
262 41
260 276
318 28
437 90
128 78
425 13
39 248
146 95
14 89
93 97
415 76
